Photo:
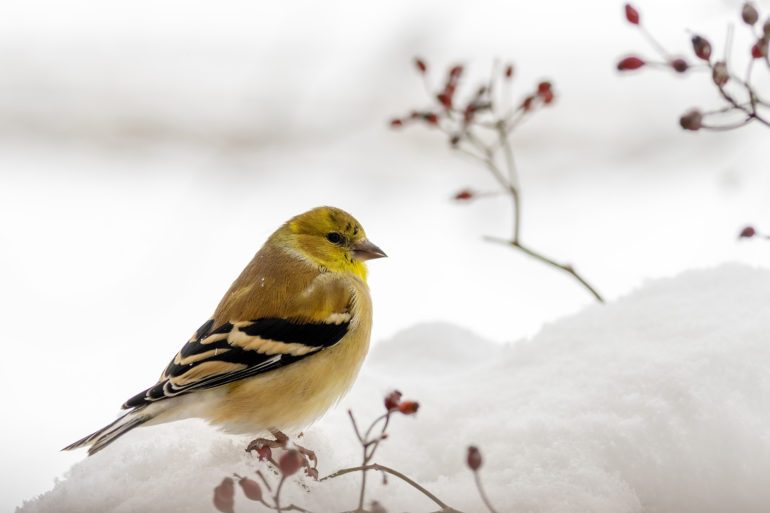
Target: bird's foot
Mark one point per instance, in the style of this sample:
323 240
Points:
310 458
264 447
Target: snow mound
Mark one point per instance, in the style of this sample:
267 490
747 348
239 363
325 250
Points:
450 348
659 402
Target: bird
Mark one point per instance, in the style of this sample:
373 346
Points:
284 344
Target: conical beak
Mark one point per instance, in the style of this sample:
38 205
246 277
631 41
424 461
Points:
365 250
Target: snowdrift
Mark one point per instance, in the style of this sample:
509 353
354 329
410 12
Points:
658 402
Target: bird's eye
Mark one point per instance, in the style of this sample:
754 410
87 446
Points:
334 238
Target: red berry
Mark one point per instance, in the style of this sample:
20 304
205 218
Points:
290 462
701 47
464 195
680 65
759 50
420 64
630 63
431 118
526 105
749 14
224 496
251 489
719 73
392 400
508 71
265 453
408 407
445 100
396 123
543 87
691 120
747 233
632 15
474 459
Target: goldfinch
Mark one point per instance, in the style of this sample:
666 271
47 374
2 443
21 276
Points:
284 344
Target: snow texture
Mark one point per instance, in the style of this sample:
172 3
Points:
657 402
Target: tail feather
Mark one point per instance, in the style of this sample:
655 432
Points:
111 432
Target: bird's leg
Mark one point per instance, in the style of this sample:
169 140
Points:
280 437
280 440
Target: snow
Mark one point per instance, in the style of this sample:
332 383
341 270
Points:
656 402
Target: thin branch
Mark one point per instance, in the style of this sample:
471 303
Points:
513 176
376 441
290 507
277 496
374 423
262 477
654 43
396 473
538 256
484 497
725 128
355 426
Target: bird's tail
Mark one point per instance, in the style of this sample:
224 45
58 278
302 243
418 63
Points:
111 432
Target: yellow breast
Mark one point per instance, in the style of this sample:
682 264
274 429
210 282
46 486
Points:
294 396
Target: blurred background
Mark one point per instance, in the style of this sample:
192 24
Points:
148 148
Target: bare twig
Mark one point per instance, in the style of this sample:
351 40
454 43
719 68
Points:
567 268
483 494
382 468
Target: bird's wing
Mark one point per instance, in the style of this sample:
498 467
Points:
234 350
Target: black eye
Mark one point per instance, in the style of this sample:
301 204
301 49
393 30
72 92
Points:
334 238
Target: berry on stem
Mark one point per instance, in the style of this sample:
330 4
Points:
632 15
224 496
692 120
464 195
473 458
251 489
747 233
749 14
679 65
630 63
701 47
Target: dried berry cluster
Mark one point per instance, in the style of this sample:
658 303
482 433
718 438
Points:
458 118
480 124
292 459
742 103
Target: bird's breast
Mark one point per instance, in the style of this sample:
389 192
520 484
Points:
293 396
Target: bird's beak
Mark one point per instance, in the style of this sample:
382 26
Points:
365 250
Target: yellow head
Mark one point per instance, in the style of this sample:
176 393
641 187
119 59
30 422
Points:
331 238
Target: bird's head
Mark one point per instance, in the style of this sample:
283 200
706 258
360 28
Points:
331 238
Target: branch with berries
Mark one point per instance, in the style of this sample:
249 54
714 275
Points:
742 104
480 126
293 458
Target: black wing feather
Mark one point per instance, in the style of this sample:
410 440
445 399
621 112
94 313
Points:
313 334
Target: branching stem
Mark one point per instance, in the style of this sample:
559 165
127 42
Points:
382 468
